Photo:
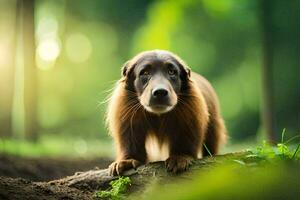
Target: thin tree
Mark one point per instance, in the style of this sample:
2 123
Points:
30 71
268 108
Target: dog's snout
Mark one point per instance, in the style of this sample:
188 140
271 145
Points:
159 92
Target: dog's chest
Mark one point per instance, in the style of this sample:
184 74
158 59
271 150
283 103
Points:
155 150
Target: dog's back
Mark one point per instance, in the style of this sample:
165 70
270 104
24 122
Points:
216 131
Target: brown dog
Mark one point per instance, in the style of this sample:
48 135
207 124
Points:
160 105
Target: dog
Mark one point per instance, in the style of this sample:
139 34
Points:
161 110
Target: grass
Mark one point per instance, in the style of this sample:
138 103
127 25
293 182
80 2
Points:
281 151
265 172
55 146
118 188
206 148
232 181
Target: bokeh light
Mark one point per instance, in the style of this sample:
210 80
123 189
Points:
48 49
78 47
80 146
47 27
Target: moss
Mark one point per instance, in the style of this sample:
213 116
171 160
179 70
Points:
117 190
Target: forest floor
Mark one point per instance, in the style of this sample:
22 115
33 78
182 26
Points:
267 172
46 169
33 178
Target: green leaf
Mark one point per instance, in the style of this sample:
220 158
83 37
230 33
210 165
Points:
118 189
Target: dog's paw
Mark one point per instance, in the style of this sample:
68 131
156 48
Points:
177 164
118 167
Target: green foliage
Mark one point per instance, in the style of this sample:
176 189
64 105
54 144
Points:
268 172
118 189
281 151
229 181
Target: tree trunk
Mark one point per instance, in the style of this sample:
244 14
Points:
8 27
267 71
30 71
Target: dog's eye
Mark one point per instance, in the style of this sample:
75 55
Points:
144 73
171 72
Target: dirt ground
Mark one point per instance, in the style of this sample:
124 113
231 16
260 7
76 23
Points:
46 169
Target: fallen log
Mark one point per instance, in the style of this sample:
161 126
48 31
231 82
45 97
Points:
83 185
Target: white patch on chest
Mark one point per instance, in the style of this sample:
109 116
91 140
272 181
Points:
155 151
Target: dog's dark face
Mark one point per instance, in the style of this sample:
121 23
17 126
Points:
157 77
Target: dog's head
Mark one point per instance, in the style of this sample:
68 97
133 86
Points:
157 78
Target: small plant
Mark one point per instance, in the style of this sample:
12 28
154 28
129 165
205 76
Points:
296 151
118 189
281 150
207 149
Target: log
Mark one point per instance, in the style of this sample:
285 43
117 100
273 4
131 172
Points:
83 185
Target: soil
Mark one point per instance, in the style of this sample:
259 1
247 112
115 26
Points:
22 189
46 169
36 173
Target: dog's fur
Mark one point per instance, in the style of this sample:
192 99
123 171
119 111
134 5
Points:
181 131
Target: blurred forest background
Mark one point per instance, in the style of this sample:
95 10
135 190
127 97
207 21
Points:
59 60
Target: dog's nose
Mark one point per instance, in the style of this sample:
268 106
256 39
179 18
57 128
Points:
159 92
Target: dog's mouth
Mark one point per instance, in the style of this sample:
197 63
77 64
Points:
159 109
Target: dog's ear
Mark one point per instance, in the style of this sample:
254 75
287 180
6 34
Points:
185 69
185 74
124 69
127 68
